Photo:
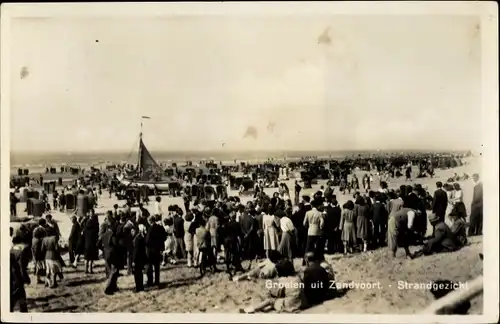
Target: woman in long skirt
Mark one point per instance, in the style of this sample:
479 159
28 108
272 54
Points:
51 249
362 215
347 226
36 248
80 246
458 203
270 227
287 242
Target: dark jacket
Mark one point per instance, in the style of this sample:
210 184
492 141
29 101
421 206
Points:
178 227
316 284
379 213
332 218
155 239
139 251
74 235
110 247
439 202
19 259
248 225
442 241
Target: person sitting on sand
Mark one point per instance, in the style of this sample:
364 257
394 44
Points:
274 266
443 239
458 228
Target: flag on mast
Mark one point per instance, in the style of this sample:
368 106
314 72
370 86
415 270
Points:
146 117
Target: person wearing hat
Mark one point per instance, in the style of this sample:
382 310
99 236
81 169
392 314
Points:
443 239
458 228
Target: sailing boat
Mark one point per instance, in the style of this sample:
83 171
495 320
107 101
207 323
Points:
147 172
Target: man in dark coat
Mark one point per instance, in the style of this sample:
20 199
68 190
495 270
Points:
179 235
124 241
298 223
74 239
112 258
232 248
139 256
332 223
440 201
476 211
155 239
380 217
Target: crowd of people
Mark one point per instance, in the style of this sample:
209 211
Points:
141 242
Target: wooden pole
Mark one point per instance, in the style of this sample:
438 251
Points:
474 288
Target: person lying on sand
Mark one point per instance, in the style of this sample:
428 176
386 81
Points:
292 294
275 266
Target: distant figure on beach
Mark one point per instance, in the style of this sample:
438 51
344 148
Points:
476 215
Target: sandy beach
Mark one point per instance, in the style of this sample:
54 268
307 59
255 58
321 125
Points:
181 290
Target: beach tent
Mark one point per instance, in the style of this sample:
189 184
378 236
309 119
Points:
209 192
82 203
221 191
35 207
70 202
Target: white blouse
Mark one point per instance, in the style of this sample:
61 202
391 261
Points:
458 196
286 224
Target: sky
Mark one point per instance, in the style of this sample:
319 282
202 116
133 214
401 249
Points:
246 83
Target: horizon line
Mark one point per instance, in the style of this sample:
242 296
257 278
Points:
236 151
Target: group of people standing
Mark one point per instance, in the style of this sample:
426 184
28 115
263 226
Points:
142 242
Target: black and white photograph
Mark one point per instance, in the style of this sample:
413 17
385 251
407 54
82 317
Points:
249 162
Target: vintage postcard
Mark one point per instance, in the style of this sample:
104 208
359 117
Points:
250 162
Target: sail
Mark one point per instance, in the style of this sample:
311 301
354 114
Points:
147 164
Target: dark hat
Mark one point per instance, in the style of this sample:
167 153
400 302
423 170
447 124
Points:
280 213
189 217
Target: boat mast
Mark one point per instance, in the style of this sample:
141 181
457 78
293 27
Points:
139 164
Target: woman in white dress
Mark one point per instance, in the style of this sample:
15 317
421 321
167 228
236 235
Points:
270 225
